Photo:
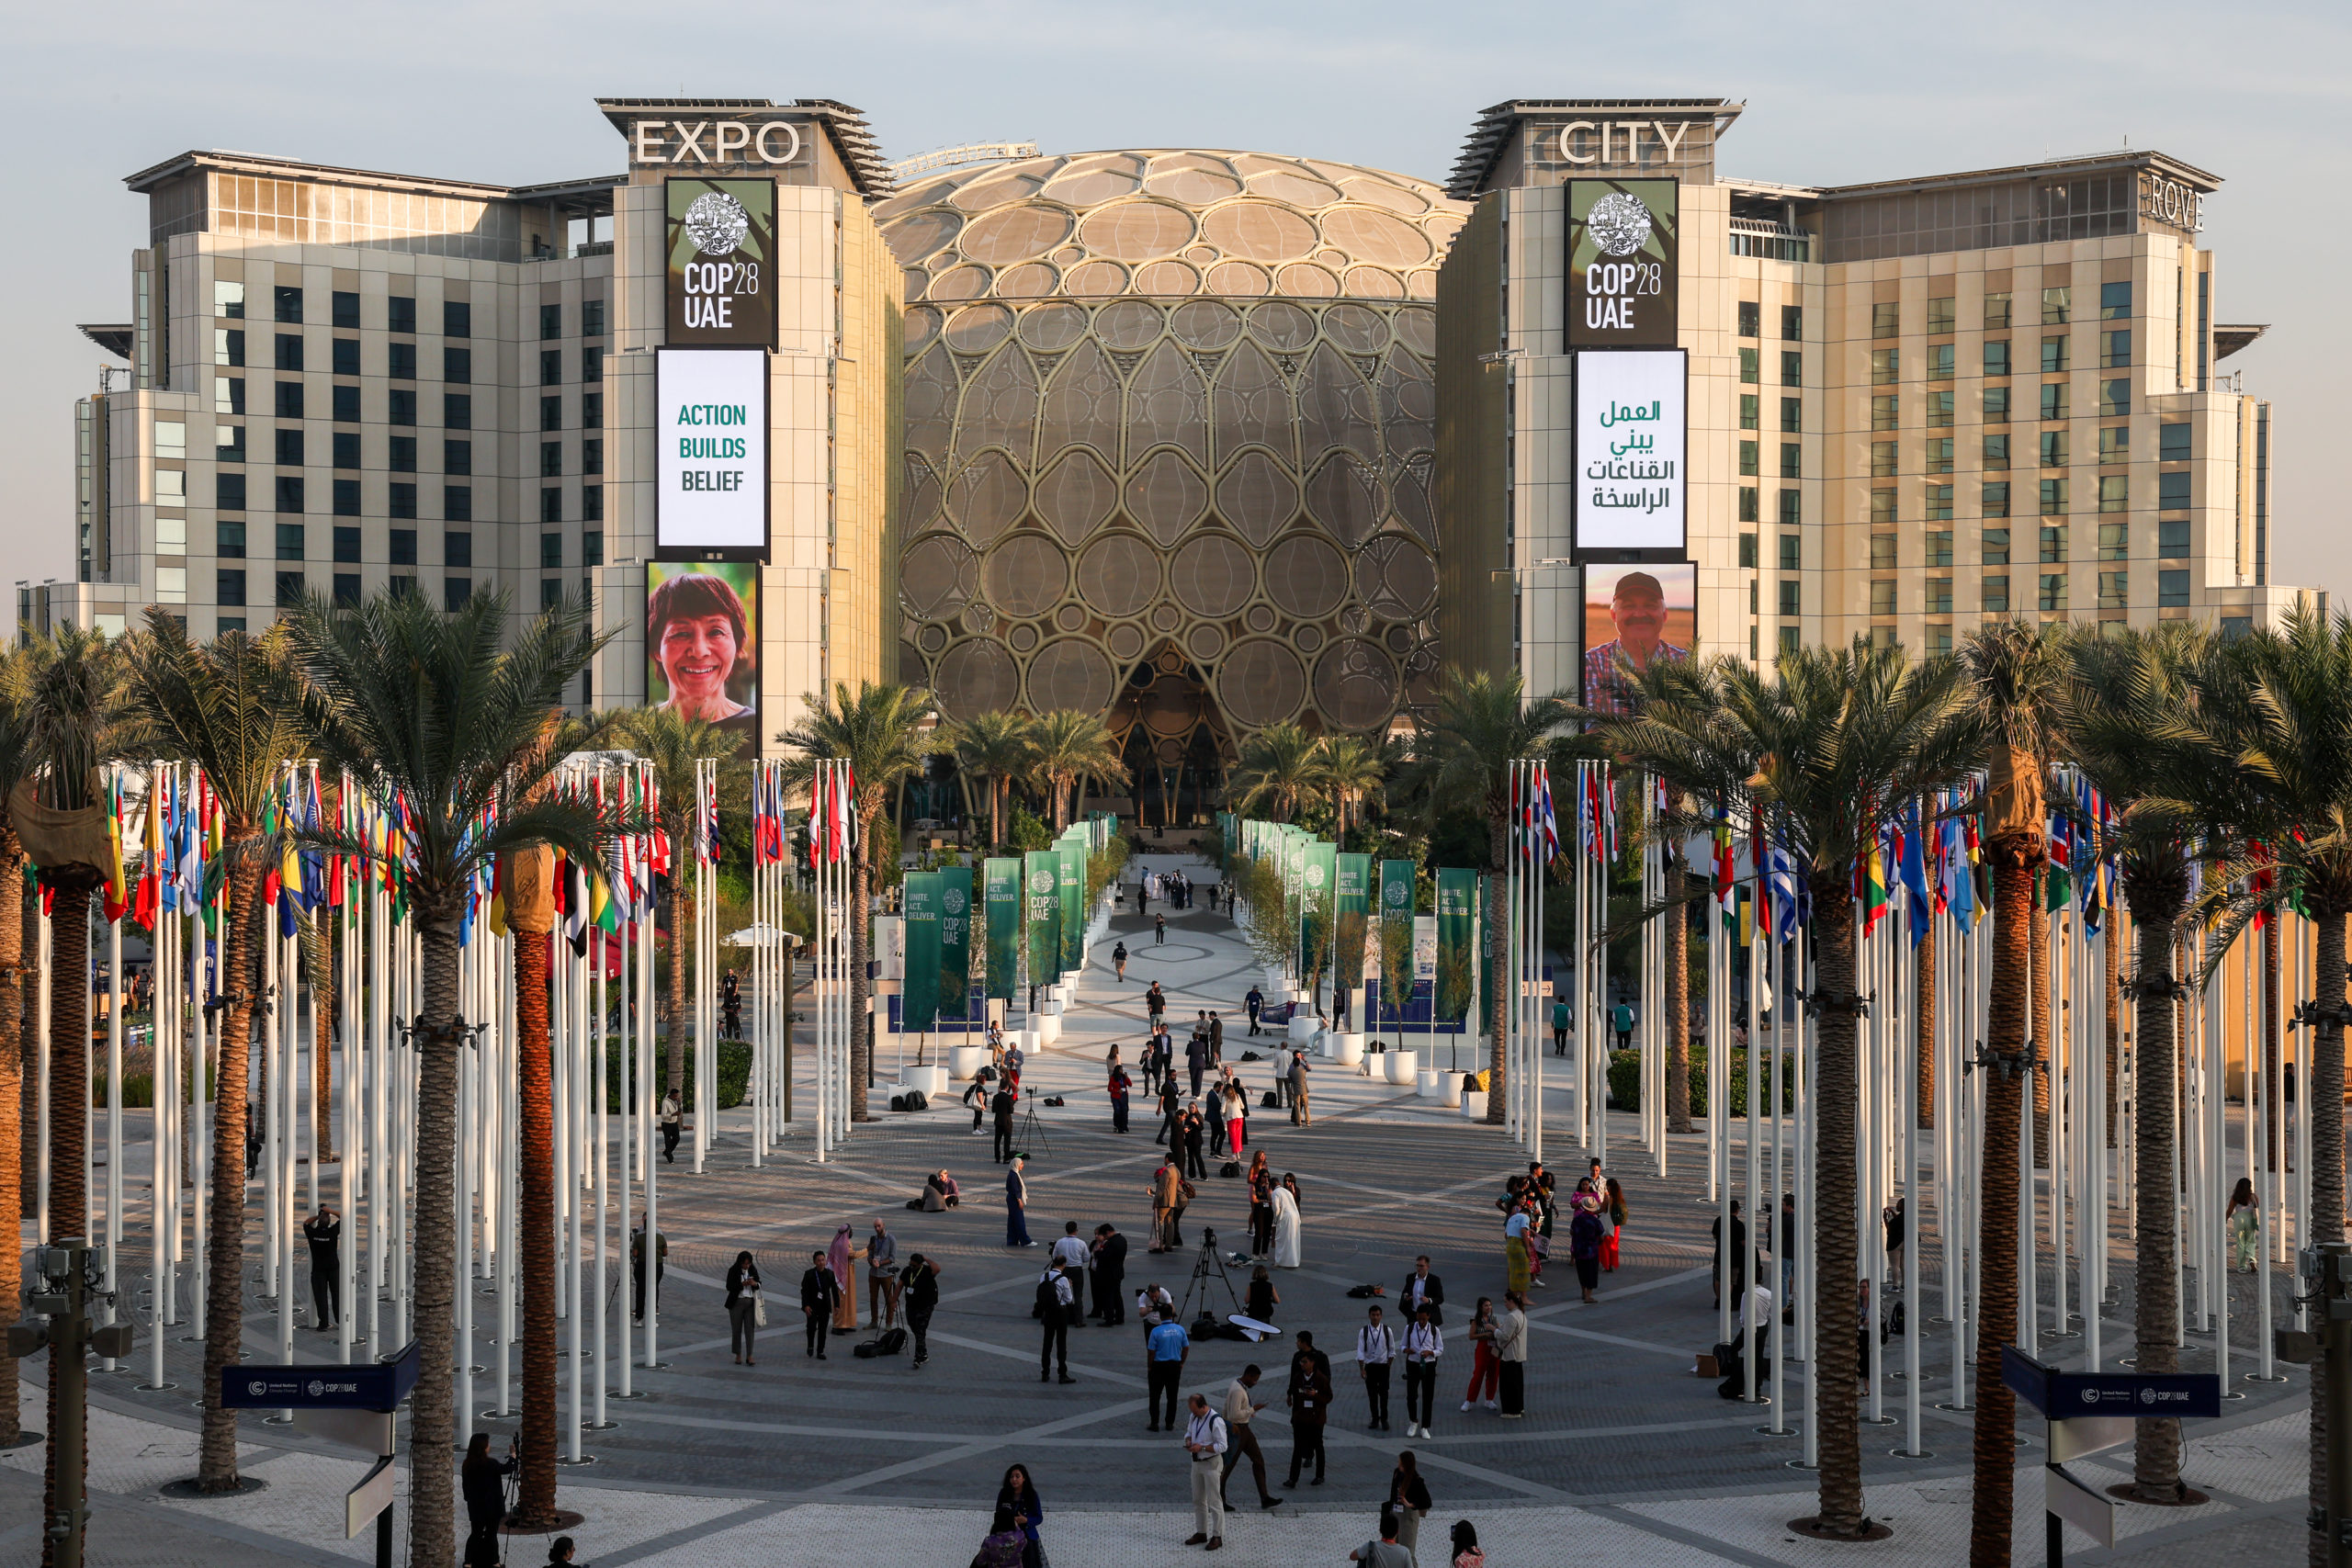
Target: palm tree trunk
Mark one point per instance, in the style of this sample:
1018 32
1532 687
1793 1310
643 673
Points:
12 1072
433 1428
2016 859
1925 1050
69 1113
24 998
2324 1103
2155 1451
1678 1001
2044 1043
1498 929
1835 1235
673 996
996 813
861 989
224 1258
535 1502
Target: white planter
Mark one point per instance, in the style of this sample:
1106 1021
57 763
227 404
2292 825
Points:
966 1061
932 1081
1401 1067
1032 1039
1428 1081
1473 1106
1049 1002
1049 1029
1446 1091
1347 1050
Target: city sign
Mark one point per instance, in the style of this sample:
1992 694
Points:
1669 134
710 453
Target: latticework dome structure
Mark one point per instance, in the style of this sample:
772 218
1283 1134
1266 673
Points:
1170 421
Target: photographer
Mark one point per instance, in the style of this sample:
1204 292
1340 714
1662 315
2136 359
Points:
483 1482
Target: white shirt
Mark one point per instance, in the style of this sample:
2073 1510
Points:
1061 1285
1376 1345
1207 1430
1071 1250
1424 1342
1756 1311
1238 1406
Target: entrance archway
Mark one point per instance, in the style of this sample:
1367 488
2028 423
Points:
1173 739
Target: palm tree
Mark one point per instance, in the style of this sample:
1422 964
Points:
1837 746
995 745
317 937
2281 705
1278 768
2018 672
881 732
2135 720
1351 770
674 743
1067 746
15 766
426 710
231 708
1481 725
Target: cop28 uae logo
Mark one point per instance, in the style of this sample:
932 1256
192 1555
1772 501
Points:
1395 897
954 901
1315 877
717 223
1618 224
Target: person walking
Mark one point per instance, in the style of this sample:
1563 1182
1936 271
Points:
1016 1205
1170 1121
324 1231
1119 961
1165 1184
636 1265
1000 1106
1738 1251
1109 1265
1206 1440
481 1479
1261 1206
1584 1243
1621 1018
1117 1088
976 1095
1288 1234
1196 1058
881 1277
1255 1005
1216 1037
1613 1210
1018 1495
842 1256
1309 1398
820 1294
1164 1352
672 1118
1159 931
1155 1003
1559 1026
919 1287
742 1308
1422 1288
1375 1350
1510 1346
1409 1500
1057 1300
1486 1371
1300 1116
2244 1219
1195 1140
1241 1439
1424 1345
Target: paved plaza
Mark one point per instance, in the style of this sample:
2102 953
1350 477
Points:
1625 1456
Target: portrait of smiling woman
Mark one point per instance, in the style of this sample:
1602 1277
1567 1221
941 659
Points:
702 645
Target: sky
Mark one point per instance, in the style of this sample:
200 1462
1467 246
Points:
501 91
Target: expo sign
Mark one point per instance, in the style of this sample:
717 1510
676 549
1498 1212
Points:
704 141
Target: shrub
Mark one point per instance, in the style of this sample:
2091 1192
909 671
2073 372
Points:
1625 1082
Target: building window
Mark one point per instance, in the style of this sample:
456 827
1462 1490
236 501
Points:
1790 638
1939 596
289 492
1940 636
592 411
592 506
1882 504
1792 507
2053 498
1995 546
1792 415
1792 460
2172 491
1887 318
400 408
592 456
457 410
346 543
228 586
347 405
1941 316
458 366
229 493
347 448
1942 361
551 367
550 593
457 456
1792 323
229 299
1995 595
403 458
591 547
403 547
2053 399
400 501
2114 590
229 540
1995 499
229 347
1996 310
1939 503
289 541
2172 588
1882 413
1755 597
347 498
2115 492
2057 306
345 307
551 505
2053 355
2115 444
2114 300
550 459
400 314
401 587
400 361
1882 552
2053 544
1791 593
229 442
551 552
347 588
1886 365
1748 373
2054 446
1883 597
1791 552
2114 399
1883 460
2115 541
591 318
458 503
1997 356
289 449
289 302
347 356
1792 367
457 318
592 365
1938 546
2172 443
1939 453
2115 349
2172 537
291 587
551 412
289 400
1997 405
457 592
550 322
1750 315
1748 458
1747 504
1748 551
457 548
1939 409
2053 590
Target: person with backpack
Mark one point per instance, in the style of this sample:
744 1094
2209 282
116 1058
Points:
919 1287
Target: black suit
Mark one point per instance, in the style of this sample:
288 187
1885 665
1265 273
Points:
1433 1290
1110 1279
820 1294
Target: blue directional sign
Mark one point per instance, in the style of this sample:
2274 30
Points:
369 1385
2145 1396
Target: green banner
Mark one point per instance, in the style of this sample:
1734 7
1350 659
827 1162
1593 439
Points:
1457 898
1043 868
954 942
1351 905
1397 932
1491 962
1073 891
1002 880
1317 872
919 998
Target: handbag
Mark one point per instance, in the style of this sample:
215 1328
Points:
759 1310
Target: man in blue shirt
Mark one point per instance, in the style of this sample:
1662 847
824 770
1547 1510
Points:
1256 1002
1164 1352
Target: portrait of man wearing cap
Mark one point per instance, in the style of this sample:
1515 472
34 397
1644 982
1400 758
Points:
1638 610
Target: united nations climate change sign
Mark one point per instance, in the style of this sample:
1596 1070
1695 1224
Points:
721 249
711 453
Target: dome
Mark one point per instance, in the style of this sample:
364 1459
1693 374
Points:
1170 426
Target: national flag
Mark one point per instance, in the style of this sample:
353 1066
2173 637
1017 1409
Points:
575 907
1874 886
1547 821
1914 873
117 893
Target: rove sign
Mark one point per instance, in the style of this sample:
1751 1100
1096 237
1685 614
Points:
711 453
720 245
1622 254
1630 454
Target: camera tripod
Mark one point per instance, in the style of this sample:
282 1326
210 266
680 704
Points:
1207 1266
1029 1134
